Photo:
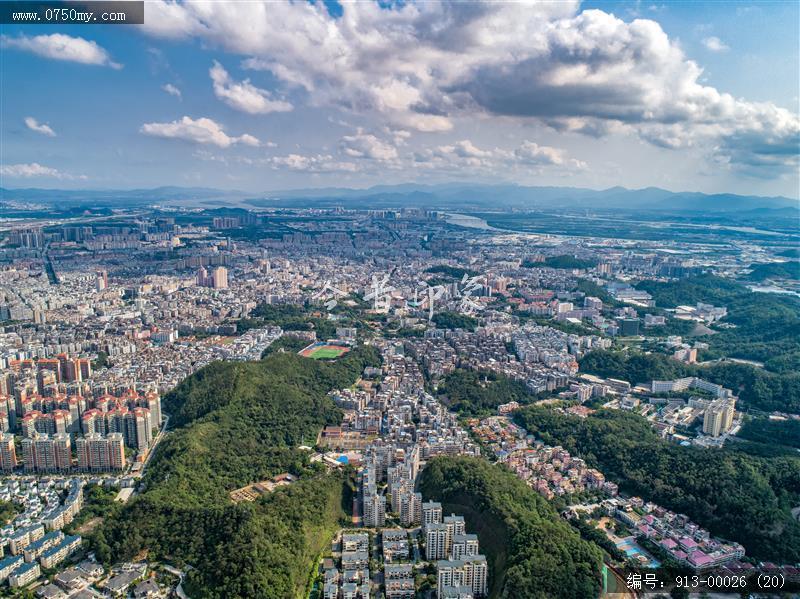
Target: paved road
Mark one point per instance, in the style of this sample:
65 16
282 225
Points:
156 441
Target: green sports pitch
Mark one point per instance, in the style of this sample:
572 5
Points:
323 351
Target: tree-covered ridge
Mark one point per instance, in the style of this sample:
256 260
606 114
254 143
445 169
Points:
775 270
767 325
473 393
771 432
238 423
569 262
757 388
532 552
451 271
734 495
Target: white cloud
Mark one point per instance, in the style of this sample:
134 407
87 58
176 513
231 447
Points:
200 131
529 155
319 163
715 44
533 153
424 65
248 140
244 96
457 155
399 136
530 152
42 128
34 169
466 149
59 46
172 90
390 60
364 145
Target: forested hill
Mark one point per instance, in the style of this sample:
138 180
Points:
765 326
734 495
238 423
532 552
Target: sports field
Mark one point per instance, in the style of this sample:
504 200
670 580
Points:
323 351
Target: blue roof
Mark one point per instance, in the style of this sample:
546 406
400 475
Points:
25 567
61 545
5 562
56 534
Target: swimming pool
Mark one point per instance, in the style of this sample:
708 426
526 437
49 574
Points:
632 550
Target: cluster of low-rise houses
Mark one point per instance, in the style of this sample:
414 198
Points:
543 357
34 541
35 546
686 542
551 471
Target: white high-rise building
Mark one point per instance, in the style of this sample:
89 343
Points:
435 541
718 417
374 510
471 572
219 278
431 512
8 453
410 508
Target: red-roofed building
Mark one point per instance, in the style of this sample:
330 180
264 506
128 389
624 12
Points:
699 560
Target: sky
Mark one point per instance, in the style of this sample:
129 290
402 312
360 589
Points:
260 96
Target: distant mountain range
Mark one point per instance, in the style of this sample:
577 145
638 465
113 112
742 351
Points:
446 196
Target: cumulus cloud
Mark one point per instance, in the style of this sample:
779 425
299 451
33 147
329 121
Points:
715 44
526 157
172 90
244 96
532 153
466 149
34 169
421 66
59 46
399 136
364 145
34 125
200 131
387 59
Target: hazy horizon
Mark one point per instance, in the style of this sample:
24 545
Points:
409 184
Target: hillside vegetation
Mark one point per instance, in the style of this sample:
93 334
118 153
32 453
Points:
738 496
775 270
766 325
532 552
237 423
772 432
473 393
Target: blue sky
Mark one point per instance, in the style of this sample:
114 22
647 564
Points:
263 96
